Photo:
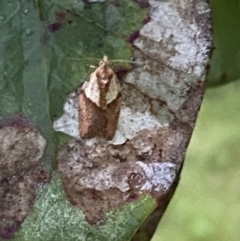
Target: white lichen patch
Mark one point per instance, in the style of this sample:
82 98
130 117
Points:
104 179
160 82
138 113
159 176
68 122
175 38
202 7
99 168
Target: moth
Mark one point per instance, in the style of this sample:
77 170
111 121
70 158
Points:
100 102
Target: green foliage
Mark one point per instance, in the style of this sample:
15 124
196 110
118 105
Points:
45 47
206 204
225 62
54 218
44 51
43 57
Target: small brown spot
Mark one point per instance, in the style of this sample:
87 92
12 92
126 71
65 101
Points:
142 3
53 27
146 20
133 36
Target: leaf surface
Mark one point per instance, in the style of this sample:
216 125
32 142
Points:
46 49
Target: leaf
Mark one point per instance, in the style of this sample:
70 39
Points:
46 50
224 65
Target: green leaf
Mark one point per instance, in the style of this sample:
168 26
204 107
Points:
54 218
205 204
225 62
44 51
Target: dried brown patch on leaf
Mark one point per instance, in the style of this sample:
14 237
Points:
188 112
182 126
21 174
157 119
178 35
160 99
109 175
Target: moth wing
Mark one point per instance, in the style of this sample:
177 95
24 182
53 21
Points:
114 89
92 120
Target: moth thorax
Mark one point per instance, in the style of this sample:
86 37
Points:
104 73
103 83
103 89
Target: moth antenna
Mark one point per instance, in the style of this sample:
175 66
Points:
105 59
84 58
127 61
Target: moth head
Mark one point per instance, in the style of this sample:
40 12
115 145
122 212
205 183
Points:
104 71
104 62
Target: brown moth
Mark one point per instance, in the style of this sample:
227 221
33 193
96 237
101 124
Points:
100 103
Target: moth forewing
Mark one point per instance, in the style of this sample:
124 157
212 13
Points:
100 103
113 90
91 89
